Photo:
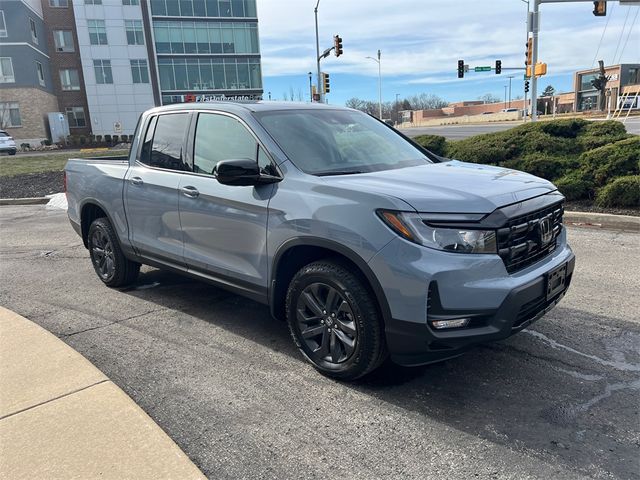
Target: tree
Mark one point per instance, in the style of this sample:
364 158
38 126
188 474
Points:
600 84
549 91
490 98
425 101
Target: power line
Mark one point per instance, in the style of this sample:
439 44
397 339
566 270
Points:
628 35
621 35
602 36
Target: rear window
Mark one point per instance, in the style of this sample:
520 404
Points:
163 145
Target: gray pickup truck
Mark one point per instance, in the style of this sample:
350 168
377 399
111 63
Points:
367 244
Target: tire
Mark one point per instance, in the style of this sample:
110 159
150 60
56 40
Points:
12 152
110 264
347 340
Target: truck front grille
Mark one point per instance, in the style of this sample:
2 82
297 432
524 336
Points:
521 242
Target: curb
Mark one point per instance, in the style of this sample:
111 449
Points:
24 201
61 417
602 220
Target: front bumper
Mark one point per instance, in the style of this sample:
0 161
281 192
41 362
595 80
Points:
428 284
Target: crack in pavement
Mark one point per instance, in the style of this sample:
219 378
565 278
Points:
67 335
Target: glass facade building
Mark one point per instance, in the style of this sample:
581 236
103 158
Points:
206 49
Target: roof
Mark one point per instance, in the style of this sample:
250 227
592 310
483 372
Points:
252 106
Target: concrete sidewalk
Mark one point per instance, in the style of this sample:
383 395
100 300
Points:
60 417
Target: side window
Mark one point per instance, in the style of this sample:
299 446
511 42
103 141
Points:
164 142
219 137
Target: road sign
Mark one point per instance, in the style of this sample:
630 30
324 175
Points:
482 69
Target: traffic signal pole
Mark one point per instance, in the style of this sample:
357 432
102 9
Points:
534 59
315 10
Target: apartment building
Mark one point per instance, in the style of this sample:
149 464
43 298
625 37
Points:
103 62
27 90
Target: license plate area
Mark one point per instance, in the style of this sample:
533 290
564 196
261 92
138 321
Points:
556 281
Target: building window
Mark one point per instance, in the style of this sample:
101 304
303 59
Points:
10 115
131 2
204 8
139 71
206 37
634 76
93 2
69 79
75 116
3 25
40 73
97 32
59 3
6 70
34 32
102 69
135 35
63 40
203 74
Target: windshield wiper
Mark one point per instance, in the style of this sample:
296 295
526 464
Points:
337 172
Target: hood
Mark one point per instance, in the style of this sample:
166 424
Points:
449 187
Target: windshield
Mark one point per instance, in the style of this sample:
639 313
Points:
339 142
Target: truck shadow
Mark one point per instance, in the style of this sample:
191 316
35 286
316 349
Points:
545 391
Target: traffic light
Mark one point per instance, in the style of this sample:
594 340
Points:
529 52
600 8
526 85
498 67
460 68
337 45
326 86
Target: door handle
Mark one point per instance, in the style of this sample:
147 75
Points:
189 191
136 181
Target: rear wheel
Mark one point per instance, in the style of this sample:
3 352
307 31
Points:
334 320
112 267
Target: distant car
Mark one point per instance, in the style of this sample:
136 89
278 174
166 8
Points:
7 143
488 113
507 110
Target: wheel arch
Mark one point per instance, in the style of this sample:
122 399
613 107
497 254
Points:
298 252
91 210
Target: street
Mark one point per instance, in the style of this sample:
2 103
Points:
225 382
459 132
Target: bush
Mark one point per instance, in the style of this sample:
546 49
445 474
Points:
116 139
107 139
567 128
98 139
610 161
433 143
598 134
46 142
621 192
25 146
575 186
547 166
83 140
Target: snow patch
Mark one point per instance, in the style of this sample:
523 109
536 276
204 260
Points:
57 201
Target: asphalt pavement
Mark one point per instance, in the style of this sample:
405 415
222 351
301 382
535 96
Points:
223 380
459 132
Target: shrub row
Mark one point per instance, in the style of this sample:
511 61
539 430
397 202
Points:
586 160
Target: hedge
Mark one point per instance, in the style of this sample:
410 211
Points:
433 143
615 160
621 192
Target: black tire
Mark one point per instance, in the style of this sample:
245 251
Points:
12 152
110 264
348 344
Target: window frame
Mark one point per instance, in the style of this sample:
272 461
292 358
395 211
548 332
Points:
64 48
139 68
3 32
62 83
40 72
8 111
69 110
131 3
13 72
58 3
135 27
34 31
102 68
153 119
192 142
97 24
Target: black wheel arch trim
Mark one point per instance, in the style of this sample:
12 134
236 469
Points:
307 241
126 249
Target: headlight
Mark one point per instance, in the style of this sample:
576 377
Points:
411 226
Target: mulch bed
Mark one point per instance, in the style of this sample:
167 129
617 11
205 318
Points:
41 184
27 185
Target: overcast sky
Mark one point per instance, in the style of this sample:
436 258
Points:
422 40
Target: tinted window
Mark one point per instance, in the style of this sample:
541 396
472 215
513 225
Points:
322 142
166 148
219 137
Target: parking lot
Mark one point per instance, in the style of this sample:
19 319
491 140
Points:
223 379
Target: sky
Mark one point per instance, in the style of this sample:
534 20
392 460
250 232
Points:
421 42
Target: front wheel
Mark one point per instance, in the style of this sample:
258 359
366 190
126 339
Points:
113 268
334 320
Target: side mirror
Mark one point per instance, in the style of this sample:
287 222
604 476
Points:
241 172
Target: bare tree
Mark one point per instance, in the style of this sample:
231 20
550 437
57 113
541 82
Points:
425 101
490 98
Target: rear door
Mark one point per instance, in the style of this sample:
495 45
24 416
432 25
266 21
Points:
225 227
151 189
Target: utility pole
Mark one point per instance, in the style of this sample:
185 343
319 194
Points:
510 77
505 96
315 11
535 23
310 87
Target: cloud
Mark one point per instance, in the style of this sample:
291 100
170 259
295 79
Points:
421 40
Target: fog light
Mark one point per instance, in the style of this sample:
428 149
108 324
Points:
456 323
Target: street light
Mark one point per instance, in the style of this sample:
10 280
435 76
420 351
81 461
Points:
379 84
510 77
315 11
505 96
310 87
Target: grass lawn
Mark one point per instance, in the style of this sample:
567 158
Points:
46 162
